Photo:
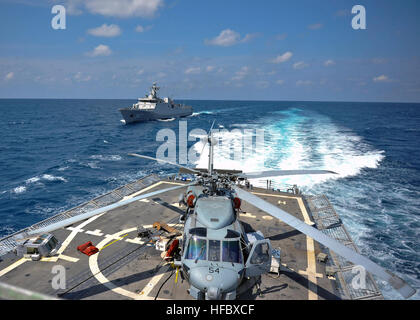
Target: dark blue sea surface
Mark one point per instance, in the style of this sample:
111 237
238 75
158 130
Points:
56 154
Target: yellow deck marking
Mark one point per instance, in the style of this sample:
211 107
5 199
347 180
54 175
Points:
144 294
135 240
74 232
148 188
267 217
306 272
247 215
96 232
176 276
114 241
94 268
281 202
12 266
310 247
61 256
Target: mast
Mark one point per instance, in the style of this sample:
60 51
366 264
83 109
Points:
210 141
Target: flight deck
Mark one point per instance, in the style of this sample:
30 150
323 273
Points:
130 267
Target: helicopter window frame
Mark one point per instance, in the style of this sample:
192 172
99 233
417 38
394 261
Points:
215 249
199 231
230 234
195 249
227 250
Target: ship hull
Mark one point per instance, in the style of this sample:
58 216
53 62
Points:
135 115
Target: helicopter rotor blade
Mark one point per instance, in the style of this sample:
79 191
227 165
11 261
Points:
278 173
185 169
84 216
397 283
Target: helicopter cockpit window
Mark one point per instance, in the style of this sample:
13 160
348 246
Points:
197 249
214 250
231 252
260 254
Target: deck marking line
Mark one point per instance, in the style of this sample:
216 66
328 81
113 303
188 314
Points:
12 266
114 241
310 246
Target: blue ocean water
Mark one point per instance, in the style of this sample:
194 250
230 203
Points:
56 154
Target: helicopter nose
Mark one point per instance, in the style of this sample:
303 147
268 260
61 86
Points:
217 282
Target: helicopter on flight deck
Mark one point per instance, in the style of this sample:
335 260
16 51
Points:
216 254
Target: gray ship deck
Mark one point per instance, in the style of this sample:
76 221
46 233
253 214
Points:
128 268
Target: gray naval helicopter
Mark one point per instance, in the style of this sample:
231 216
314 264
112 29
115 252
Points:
217 255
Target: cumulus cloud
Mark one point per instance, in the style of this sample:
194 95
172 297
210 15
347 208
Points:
9 76
381 78
282 58
299 65
101 50
105 30
116 8
329 63
228 38
280 82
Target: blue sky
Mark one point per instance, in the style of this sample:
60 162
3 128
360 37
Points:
268 50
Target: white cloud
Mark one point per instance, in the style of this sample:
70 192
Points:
118 8
141 29
299 65
101 50
280 82
282 58
228 38
209 68
249 37
329 63
381 78
9 76
105 30
79 77
193 70
140 72
242 73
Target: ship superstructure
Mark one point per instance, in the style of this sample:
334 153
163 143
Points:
151 107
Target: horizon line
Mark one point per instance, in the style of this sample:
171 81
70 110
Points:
190 99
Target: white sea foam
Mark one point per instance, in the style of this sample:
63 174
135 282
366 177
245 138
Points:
50 177
33 180
287 146
112 157
20 189
166 120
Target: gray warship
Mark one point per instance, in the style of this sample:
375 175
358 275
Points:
151 107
